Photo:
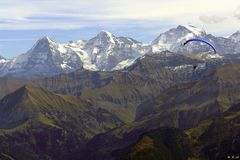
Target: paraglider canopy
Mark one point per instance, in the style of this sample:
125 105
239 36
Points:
201 40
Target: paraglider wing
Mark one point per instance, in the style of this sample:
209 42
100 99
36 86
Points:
201 40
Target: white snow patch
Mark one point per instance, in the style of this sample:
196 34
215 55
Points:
201 65
142 57
123 64
111 37
181 67
65 66
188 36
2 61
161 47
195 30
62 49
208 55
95 50
214 56
85 58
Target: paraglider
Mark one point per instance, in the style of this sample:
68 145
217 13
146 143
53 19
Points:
200 40
194 66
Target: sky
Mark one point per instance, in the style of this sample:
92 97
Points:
23 22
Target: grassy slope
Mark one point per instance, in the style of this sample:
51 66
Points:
37 124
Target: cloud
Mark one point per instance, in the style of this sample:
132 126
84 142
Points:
211 19
237 13
72 14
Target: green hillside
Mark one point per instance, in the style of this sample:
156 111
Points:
37 124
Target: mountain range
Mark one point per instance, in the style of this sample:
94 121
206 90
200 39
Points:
200 109
108 114
173 40
114 98
106 52
146 78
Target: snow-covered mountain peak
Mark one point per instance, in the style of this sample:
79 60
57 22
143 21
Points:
174 38
44 45
46 39
106 33
195 30
104 37
235 36
106 52
2 60
179 28
2 57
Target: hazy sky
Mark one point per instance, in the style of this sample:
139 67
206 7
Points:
22 22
